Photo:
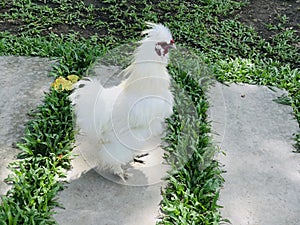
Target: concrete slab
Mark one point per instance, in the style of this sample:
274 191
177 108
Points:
23 81
94 200
262 179
100 198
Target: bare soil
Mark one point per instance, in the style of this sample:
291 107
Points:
261 13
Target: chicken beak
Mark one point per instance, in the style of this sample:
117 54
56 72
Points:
172 44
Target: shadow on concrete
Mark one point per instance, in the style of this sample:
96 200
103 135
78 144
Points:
94 200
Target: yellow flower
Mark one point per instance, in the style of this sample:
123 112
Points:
62 83
73 78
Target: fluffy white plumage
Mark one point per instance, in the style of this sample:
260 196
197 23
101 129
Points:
123 121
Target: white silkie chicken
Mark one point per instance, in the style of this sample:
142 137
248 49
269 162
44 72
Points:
119 123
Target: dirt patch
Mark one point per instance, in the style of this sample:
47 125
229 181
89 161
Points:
267 17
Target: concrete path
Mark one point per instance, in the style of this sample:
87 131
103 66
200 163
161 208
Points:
94 200
262 179
23 81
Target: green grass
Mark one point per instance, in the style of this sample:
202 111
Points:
226 48
194 181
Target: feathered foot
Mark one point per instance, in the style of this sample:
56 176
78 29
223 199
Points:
121 173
